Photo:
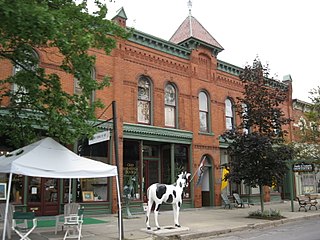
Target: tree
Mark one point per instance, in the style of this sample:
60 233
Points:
256 146
308 146
39 104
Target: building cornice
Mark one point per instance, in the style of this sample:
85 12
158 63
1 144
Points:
159 44
152 133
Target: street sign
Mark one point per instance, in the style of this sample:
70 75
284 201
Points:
100 137
303 167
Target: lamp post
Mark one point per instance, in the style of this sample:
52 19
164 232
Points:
116 152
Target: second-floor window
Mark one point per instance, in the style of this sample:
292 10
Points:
245 118
78 88
203 112
20 91
229 114
170 105
144 100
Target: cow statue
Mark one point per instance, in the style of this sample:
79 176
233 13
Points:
172 194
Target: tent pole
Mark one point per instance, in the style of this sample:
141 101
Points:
69 196
7 207
119 207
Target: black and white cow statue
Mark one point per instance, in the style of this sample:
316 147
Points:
172 194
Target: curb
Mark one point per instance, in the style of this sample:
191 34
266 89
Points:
274 223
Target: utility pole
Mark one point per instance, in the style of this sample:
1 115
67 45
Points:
116 153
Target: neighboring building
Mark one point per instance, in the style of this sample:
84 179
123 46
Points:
307 180
174 99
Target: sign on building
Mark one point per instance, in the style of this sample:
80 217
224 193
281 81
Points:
100 137
303 167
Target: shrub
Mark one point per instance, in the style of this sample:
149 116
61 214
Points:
267 214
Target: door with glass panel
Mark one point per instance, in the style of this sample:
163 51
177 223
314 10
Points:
43 196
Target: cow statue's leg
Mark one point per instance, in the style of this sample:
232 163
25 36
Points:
150 203
156 212
176 209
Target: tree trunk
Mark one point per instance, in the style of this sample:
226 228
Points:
261 198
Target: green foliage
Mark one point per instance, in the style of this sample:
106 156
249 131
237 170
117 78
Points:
52 28
312 132
258 155
260 107
307 148
256 160
271 214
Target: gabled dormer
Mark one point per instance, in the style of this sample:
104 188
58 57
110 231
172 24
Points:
191 34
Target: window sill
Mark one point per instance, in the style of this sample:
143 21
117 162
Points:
206 133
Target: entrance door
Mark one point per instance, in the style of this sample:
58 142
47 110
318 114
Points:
43 196
150 173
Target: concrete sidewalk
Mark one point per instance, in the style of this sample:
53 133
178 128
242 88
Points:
195 223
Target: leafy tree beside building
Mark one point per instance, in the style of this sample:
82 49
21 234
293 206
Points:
307 146
33 99
256 146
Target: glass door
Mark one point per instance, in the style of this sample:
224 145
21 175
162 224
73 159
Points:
43 196
50 203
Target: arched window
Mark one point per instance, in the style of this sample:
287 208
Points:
204 112
144 100
78 89
29 64
170 103
229 109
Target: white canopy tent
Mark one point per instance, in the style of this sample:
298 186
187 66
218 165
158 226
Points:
47 158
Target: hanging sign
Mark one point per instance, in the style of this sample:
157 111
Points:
100 137
303 167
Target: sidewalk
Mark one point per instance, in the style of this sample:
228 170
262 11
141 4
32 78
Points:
195 223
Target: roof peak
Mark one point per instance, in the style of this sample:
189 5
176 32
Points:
192 28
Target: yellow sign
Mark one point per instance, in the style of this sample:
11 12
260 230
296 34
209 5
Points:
224 182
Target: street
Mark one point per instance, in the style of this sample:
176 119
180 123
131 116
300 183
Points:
307 229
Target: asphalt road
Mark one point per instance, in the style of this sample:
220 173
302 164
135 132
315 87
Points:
308 229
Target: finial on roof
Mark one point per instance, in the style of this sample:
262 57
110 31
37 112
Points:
190 6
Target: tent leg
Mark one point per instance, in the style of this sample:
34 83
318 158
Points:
119 209
7 208
69 195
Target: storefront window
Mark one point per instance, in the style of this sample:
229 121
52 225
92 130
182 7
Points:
181 164
16 188
132 189
181 159
166 165
96 187
91 189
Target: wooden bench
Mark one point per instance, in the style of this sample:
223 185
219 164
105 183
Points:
306 202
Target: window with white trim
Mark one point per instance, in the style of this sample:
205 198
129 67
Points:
203 112
170 105
144 100
229 111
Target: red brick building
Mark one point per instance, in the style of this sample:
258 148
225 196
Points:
174 99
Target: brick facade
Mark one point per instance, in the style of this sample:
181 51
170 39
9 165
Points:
198 70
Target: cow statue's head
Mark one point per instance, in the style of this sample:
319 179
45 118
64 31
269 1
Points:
183 179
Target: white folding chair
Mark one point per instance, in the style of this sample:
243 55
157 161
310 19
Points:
24 231
69 208
73 225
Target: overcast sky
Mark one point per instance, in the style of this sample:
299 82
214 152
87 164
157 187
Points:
283 33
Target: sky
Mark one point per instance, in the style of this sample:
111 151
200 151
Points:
283 34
